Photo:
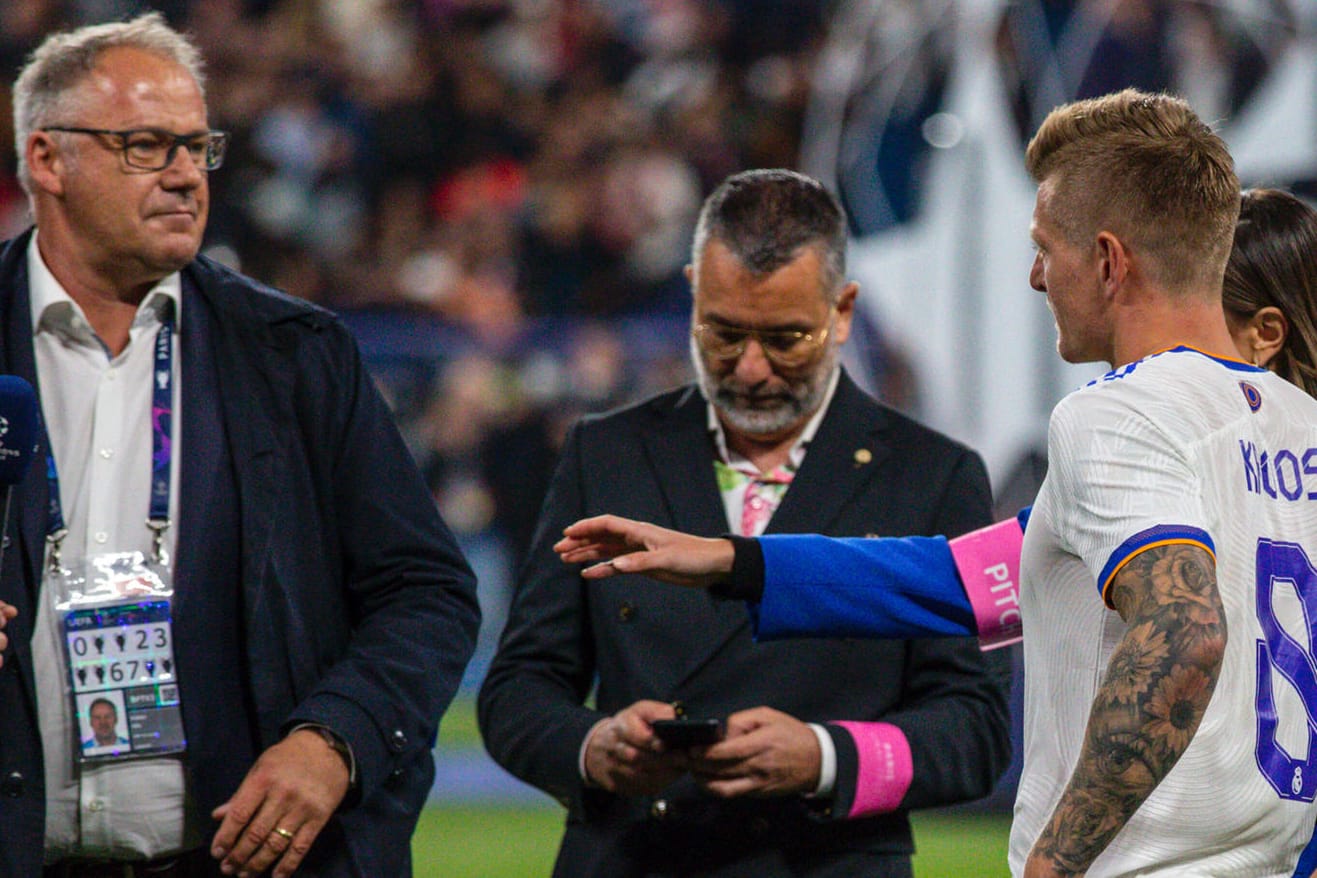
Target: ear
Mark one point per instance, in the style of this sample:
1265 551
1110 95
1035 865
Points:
845 311
1114 263
45 164
1265 334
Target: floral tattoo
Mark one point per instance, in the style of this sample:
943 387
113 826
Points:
1158 682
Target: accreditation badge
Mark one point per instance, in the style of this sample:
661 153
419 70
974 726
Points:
116 615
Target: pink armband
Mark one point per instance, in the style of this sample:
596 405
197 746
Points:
885 767
988 561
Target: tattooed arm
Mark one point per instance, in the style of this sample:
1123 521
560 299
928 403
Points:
1148 707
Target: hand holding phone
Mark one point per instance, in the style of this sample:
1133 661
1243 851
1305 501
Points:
685 732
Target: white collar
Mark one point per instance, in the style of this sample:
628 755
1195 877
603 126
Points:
54 309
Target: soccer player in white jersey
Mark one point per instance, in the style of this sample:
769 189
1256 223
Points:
1170 737
1168 569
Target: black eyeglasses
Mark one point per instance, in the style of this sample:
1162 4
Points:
152 149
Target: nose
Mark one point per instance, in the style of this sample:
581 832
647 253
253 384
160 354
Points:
182 172
753 366
1036 274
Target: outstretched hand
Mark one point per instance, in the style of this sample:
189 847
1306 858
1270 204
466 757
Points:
612 545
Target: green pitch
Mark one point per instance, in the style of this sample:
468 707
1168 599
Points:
461 842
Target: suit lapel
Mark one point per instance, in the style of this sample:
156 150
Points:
246 416
842 459
681 452
199 437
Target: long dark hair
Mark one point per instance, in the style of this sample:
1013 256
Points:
1274 262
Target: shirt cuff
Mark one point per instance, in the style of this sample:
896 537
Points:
827 761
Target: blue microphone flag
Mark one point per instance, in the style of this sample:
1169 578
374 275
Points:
19 424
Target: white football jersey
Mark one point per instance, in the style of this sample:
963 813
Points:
1181 447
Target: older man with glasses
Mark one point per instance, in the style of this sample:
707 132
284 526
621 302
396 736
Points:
229 540
826 743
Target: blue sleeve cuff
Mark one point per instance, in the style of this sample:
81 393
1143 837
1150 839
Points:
1161 535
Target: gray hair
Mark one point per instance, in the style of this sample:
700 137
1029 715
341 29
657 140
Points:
765 217
65 59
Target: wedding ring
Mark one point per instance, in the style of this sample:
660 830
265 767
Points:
279 830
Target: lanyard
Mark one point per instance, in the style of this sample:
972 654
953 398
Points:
161 451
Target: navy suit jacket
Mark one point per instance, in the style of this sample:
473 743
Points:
869 470
357 608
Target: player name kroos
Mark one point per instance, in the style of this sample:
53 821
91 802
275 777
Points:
1282 474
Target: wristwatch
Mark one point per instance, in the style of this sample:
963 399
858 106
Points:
338 745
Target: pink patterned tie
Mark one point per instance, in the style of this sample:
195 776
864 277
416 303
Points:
762 496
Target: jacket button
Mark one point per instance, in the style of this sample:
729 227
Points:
659 810
626 612
13 785
398 740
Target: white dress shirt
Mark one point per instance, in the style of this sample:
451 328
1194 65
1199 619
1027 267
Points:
97 412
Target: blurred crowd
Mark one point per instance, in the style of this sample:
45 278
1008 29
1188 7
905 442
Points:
884 87
498 195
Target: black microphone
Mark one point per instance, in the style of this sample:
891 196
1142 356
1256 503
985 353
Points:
19 425
19 422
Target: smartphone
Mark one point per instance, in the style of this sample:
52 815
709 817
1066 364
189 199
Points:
686 732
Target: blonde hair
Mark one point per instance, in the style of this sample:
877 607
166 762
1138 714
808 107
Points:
1146 168
64 60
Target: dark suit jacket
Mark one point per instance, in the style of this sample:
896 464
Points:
356 607
643 639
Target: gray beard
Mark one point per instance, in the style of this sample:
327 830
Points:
802 400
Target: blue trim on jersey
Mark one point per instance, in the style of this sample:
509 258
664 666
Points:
1307 859
1228 362
1161 535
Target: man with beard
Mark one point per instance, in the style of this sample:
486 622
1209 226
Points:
827 742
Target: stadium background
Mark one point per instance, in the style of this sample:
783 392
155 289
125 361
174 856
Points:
498 196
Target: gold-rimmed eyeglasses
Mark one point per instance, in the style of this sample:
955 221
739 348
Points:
152 149
788 348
